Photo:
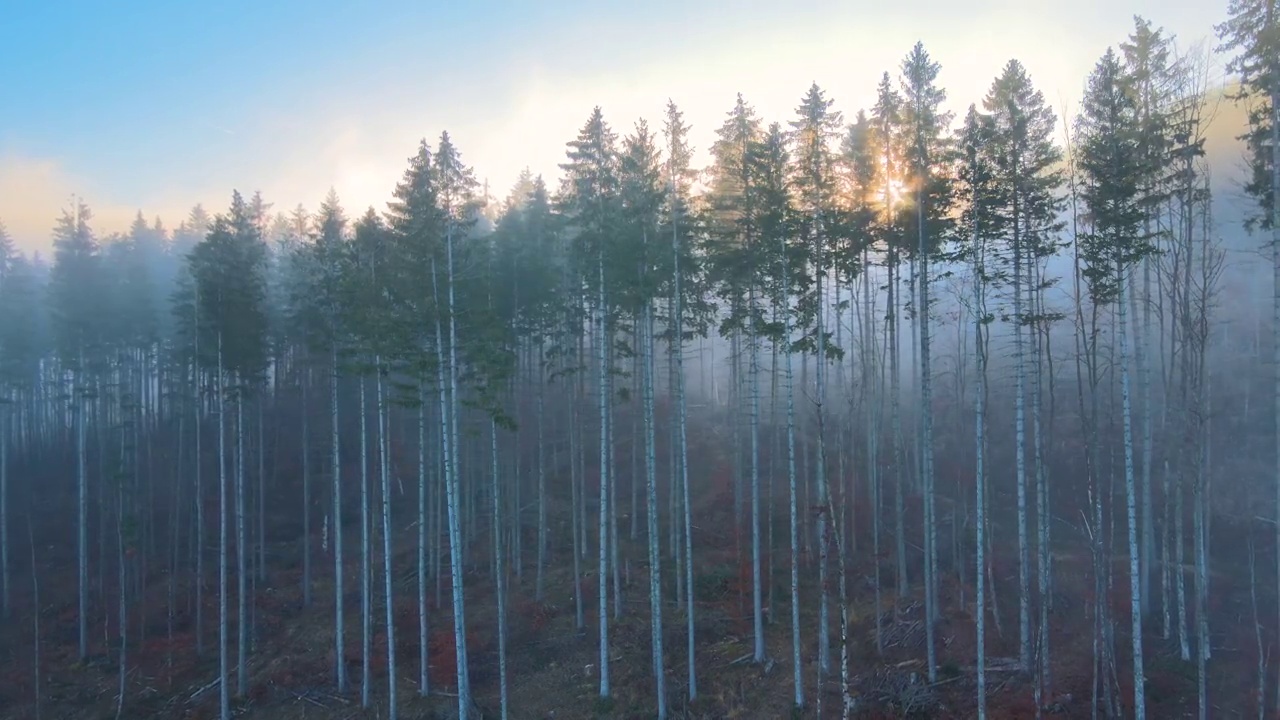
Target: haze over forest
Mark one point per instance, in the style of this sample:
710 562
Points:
682 361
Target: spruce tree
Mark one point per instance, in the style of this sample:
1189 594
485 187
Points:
589 199
229 271
814 183
925 126
1026 175
75 289
1112 164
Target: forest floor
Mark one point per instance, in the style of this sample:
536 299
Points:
553 668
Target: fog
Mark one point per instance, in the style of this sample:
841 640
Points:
866 410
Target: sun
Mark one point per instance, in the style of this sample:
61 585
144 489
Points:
897 192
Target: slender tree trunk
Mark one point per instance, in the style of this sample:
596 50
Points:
366 611
655 557
424 682
197 397
384 446
1044 557
1142 347
873 386
5 435
575 473
223 694
895 401
682 419
602 357
35 615
1275 260
262 483
1135 586
926 450
980 473
455 530
757 610
500 572
123 610
242 559
1020 445
797 679
83 508
306 495
338 593
542 478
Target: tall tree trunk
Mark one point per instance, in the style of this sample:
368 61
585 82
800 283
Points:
455 530
757 610
1275 261
338 593
424 682
366 611
784 304
5 435
1020 442
682 439
926 450
542 477
123 611
980 472
895 412
384 468
82 505
873 387
499 572
820 474
242 559
306 495
197 398
655 557
223 622
602 357
1135 586
1044 557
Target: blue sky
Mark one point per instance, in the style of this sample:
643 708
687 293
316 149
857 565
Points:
159 105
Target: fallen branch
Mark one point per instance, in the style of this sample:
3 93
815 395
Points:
202 690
